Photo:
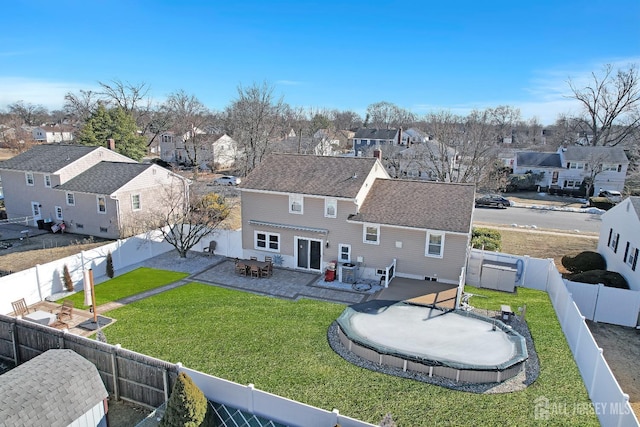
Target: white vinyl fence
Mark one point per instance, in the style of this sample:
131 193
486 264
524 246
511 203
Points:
605 304
609 401
258 402
45 280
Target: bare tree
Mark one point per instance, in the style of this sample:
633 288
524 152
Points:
254 118
504 118
29 114
476 148
183 222
82 105
345 120
189 119
385 115
611 104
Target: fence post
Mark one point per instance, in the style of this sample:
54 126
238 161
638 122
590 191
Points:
250 389
595 371
165 384
38 284
14 342
114 370
336 414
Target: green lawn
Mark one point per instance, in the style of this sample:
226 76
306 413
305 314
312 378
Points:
131 283
281 347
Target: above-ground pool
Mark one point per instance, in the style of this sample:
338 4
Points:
456 344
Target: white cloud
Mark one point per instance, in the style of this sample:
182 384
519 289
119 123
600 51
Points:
49 94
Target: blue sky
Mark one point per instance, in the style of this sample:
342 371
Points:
423 56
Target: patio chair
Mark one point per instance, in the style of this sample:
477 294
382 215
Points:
266 271
209 250
255 271
66 311
268 259
241 268
20 307
254 258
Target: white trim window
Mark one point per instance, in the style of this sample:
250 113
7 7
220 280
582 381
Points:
435 244
71 199
101 202
135 202
47 181
296 204
631 256
371 234
265 241
330 208
344 252
577 165
28 176
58 210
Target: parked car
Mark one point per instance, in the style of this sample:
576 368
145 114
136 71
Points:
612 195
227 180
493 200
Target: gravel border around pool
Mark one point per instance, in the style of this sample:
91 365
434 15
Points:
519 382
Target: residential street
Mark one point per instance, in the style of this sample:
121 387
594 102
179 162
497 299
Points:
540 218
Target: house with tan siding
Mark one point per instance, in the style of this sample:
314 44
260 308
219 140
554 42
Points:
307 211
84 190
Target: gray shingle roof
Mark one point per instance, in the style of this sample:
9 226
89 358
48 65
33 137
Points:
52 389
104 177
601 154
307 174
47 158
536 159
368 133
419 204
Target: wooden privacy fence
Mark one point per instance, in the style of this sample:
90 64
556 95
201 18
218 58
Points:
126 374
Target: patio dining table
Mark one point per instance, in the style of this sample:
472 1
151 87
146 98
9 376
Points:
252 262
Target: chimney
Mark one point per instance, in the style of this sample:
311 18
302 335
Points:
377 153
111 144
400 136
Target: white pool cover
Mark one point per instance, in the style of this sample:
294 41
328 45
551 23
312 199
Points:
428 333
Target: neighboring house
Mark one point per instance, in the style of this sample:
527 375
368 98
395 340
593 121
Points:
619 240
414 136
366 139
429 160
307 211
568 167
51 134
330 142
219 151
92 190
58 388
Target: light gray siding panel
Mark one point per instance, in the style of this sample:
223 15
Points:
89 160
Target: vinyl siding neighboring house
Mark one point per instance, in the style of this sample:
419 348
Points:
612 164
619 241
540 162
92 189
29 178
53 134
311 210
366 139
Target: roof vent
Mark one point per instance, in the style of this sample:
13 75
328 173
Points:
354 176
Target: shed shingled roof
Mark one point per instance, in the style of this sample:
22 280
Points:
536 159
313 175
419 204
47 158
104 177
52 389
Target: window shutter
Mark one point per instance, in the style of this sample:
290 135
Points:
568 165
610 233
635 260
615 250
626 252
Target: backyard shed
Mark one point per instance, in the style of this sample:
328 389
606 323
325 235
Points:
498 276
56 388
